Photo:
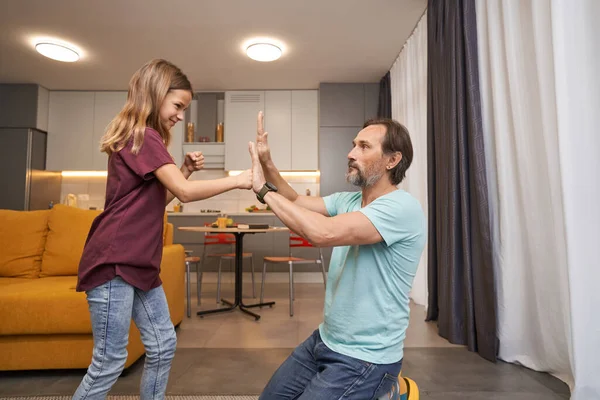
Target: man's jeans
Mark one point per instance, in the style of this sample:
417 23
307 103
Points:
112 306
315 372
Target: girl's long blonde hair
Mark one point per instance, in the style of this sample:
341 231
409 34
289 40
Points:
148 88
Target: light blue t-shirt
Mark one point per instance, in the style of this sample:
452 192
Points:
366 301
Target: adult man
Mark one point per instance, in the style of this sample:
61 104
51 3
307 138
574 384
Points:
378 235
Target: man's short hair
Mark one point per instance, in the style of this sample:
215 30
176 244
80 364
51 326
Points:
396 139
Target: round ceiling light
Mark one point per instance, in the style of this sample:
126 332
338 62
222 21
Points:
57 52
263 52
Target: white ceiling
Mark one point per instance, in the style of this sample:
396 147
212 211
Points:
325 40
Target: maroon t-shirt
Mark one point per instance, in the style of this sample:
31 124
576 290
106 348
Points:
126 239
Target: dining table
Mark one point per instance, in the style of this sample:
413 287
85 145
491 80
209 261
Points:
238 233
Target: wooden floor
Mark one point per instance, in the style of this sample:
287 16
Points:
229 354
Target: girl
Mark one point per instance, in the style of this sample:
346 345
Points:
119 267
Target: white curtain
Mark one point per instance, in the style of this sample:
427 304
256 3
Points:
540 93
408 81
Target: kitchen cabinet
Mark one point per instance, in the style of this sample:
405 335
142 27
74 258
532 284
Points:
305 130
371 100
176 146
24 106
343 109
291 118
278 122
77 121
342 104
106 106
241 109
334 145
70 130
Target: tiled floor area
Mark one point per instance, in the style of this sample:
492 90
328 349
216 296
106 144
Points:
233 354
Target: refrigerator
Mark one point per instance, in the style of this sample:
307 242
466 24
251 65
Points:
24 182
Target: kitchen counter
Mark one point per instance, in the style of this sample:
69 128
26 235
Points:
207 214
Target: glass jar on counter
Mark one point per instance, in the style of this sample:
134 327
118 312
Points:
219 135
190 132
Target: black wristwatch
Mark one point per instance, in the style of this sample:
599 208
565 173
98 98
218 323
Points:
267 187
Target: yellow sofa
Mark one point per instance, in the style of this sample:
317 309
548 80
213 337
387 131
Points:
44 322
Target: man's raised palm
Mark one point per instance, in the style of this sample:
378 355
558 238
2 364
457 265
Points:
262 145
258 178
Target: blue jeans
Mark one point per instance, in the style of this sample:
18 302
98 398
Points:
315 372
112 306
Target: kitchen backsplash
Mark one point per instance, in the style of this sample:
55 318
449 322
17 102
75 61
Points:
91 191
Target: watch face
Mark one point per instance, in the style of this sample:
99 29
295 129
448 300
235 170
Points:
271 186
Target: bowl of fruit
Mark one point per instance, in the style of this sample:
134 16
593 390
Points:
253 208
230 223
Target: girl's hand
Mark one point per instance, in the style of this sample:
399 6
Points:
194 161
244 180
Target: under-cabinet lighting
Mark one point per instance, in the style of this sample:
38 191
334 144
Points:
287 173
85 174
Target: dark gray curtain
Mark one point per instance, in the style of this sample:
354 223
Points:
461 277
384 109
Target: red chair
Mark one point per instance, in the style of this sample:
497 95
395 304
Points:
295 242
220 239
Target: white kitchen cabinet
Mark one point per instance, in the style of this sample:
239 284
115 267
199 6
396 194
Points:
76 123
241 109
278 123
291 118
106 106
305 130
70 130
175 147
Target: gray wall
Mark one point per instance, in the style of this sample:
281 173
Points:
343 109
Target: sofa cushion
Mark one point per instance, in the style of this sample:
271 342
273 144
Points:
13 281
44 306
68 230
23 237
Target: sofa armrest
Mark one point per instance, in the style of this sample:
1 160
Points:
168 239
172 274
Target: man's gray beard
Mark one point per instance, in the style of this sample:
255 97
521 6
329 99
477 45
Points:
359 179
